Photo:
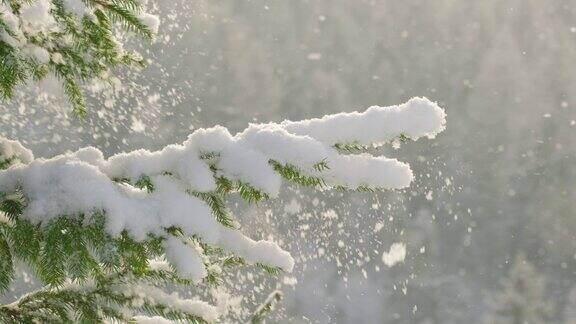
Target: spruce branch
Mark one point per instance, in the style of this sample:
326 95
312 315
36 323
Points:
79 49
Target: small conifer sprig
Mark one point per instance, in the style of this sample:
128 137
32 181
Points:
73 46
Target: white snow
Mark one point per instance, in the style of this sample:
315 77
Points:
13 149
76 7
159 265
151 320
57 58
137 125
396 254
13 23
152 21
187 260
41 55
154 295
35 16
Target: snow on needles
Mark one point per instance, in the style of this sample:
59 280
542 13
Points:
36 18
82 182
14 150
154 295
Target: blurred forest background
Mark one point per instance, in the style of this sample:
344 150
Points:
489 224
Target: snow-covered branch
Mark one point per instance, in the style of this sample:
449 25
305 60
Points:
178 194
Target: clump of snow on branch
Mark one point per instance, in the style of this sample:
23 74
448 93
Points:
396 254
83 182
186 259
140 319
154 295
152 21
414 119
14 150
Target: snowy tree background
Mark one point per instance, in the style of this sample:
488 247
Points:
498 183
